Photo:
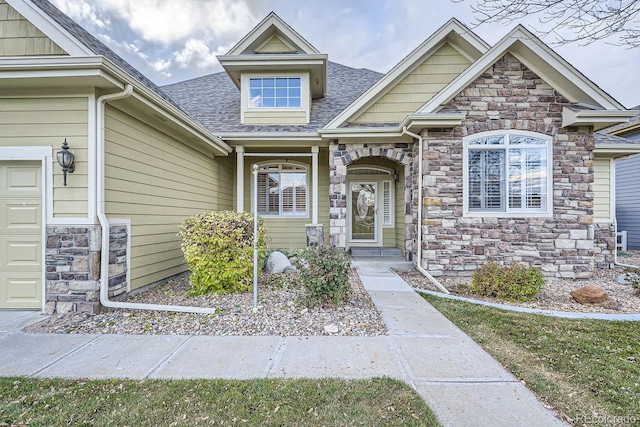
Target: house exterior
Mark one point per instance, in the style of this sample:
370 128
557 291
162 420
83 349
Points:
626 186
461 153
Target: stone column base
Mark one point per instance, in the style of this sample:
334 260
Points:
315 234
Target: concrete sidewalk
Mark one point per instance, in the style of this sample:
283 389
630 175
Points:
461 383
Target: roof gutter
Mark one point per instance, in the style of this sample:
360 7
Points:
419 243
104 222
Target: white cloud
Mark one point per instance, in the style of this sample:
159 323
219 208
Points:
161 21
196 53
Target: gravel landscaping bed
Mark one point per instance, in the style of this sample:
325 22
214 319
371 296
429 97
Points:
280 313
556 292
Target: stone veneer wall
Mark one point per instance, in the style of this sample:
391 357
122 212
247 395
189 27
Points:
605 245
509 96
342 155
73 267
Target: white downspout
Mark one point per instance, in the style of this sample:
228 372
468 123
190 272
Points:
419 242
104 222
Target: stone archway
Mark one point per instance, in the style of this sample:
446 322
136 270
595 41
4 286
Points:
341 156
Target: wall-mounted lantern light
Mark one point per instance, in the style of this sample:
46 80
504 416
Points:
65 158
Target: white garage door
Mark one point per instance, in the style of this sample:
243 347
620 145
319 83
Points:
20 235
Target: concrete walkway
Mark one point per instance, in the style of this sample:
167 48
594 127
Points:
462 384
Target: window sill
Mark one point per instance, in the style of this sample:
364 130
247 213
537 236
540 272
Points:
490 214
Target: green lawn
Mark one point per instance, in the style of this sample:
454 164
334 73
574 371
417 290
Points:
589 370
380 401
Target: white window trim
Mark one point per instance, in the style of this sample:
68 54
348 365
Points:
392 204
307 198
305 99
520 214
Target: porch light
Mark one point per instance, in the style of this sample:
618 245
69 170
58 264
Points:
65 159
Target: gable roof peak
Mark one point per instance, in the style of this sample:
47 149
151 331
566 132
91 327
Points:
453 31
272 25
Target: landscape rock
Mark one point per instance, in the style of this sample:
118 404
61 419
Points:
277 262
331 328
290 269
621 279
589 295
594 295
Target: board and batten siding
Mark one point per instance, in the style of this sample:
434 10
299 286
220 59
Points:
290 232
19 37
48 121
602 190
156 182
628 199
417 87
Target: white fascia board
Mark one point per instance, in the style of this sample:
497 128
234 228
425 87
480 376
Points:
253 61
385 132
599 119
546 54
50 28
405 66
270 136
621 149
272 20
53 67
424 121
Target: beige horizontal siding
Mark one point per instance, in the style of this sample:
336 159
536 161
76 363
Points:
19 37
417 87
48 121
290 232
272 117
157 181
602 190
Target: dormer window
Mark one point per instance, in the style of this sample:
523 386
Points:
275 92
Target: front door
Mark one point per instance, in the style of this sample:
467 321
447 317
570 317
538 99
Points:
363 201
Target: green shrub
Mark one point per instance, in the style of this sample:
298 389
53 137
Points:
218 247
632 277
326 275
515 282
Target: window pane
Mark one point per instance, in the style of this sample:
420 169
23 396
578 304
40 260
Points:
282 190
488 140
278 92
294 102
527 178
274 194
294 92
294 82
486 181
516 139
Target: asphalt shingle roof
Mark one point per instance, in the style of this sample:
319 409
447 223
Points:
603 138
214 100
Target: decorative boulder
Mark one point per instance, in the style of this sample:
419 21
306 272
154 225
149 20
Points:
290 269
594 295
277 262
589 295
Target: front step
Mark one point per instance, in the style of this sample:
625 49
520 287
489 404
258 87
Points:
375 252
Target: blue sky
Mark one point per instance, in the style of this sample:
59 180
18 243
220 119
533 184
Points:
174 40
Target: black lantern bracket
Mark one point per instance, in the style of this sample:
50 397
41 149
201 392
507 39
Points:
65 159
